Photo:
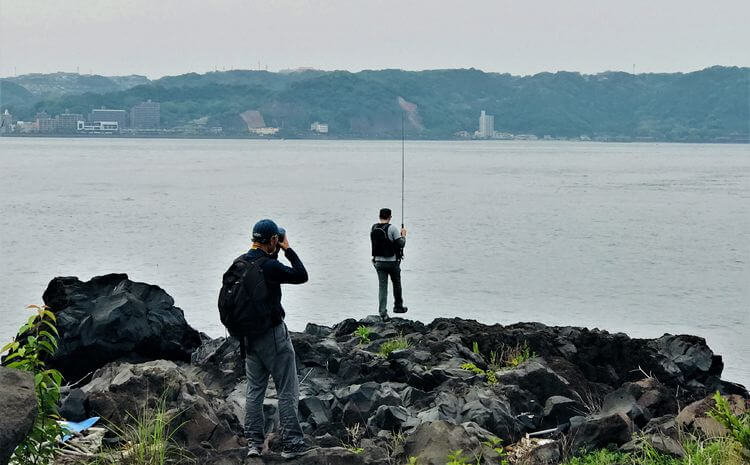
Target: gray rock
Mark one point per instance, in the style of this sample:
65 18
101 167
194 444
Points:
599 431
538 379
559 409
18 410
73 406
314 411
388 417
431 442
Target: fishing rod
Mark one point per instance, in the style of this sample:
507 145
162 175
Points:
402 169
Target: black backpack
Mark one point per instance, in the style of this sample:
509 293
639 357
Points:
382 246
244 306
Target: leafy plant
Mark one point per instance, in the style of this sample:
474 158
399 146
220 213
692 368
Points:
738 425
393 344
363 332
496 444
716 451
600 457
412 461
489 373
148 436
475 347
456 457
512 356
36 340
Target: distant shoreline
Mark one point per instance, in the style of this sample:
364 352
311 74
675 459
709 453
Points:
239 137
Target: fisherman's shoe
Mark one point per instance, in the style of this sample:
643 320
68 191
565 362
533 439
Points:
254 451
400 309
296 450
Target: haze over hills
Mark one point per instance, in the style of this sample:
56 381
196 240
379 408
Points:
706 105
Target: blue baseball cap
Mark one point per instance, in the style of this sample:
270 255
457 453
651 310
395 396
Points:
264 230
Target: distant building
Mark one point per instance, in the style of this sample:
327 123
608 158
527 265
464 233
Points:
264 131
67 122
486 126
104 114
45 124
97 127
145 116
321 128
525 137
6 122
503 135
26 127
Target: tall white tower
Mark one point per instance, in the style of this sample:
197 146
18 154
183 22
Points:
486 125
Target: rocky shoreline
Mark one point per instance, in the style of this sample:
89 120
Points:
454 386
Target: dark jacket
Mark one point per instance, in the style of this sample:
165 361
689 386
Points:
276 274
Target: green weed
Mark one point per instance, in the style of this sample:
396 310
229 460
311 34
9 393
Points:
393 344
363 332
496 444
456 457
148 436
489 373
738 425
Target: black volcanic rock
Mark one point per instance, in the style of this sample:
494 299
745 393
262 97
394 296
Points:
113 318
18 409
599 387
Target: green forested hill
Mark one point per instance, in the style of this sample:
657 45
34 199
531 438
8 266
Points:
707 105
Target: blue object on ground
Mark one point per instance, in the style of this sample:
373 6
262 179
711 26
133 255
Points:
73 427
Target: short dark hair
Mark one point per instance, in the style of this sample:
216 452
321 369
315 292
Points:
385 213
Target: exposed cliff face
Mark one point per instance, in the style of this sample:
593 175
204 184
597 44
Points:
596 387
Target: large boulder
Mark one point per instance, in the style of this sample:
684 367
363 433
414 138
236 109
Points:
18 410
431 443
120 391
112 318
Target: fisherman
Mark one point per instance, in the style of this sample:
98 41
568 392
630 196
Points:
271 353
388 244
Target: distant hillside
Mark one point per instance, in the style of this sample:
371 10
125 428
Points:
707 105
57 84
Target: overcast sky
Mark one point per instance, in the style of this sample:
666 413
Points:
167 37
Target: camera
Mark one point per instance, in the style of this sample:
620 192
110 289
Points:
282 234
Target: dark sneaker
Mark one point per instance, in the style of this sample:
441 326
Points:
296 450
254 451
385 318
400 309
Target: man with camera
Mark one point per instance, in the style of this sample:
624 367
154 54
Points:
388 244
271 352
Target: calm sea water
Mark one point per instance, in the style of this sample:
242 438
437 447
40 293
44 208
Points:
639 238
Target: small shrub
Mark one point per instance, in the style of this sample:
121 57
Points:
393 344
600 457
490 374
363 332
475 347
148 436
512 356
738 425
456 457
37 339
412 461
496 444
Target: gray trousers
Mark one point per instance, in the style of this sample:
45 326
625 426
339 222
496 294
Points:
386 269
272 354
